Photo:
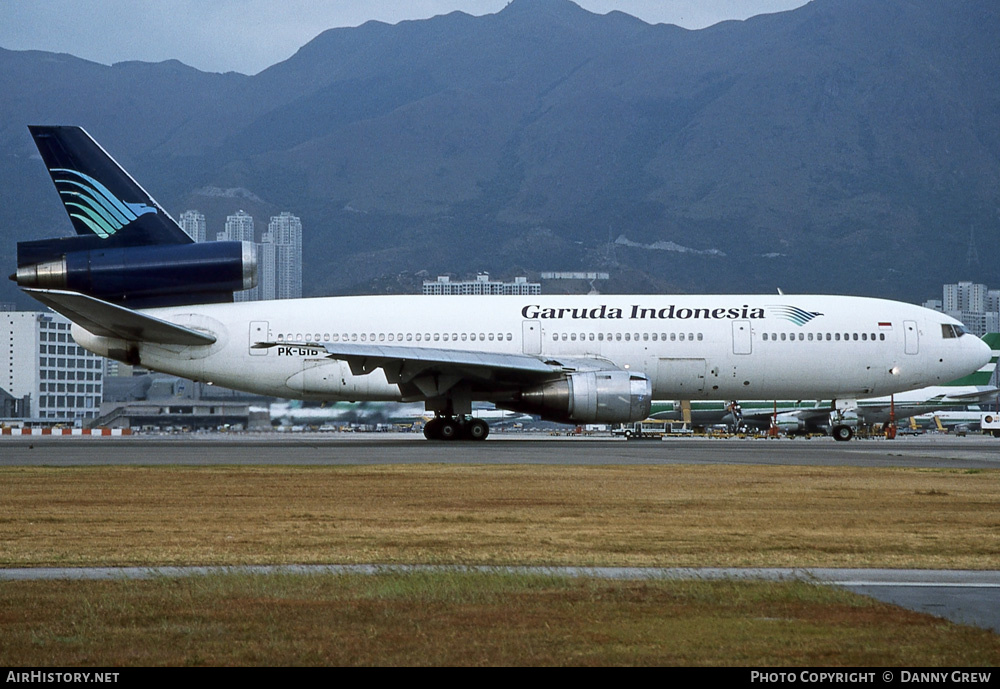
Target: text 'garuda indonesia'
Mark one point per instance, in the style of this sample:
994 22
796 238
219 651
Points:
638 312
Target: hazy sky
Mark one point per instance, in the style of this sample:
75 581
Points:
250 35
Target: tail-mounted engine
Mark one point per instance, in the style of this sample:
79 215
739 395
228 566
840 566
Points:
156 275
588 397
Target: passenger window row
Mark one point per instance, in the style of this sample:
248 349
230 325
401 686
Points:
820 337
395 337
627 337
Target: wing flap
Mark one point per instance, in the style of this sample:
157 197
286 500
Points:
110 320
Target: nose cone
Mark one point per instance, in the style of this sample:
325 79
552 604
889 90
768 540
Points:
976 353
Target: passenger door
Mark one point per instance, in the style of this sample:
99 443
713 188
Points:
911 337
531 337
742 343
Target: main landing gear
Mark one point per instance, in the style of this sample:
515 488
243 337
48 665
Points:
456 428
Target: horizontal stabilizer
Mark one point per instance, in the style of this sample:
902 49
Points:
109 320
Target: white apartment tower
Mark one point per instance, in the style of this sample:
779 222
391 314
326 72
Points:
267 265
279 255
965 296
193 223
239 228
972 303
286 234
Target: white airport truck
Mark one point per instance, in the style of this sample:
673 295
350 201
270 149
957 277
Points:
990 423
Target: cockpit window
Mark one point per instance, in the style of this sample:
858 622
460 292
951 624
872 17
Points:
949 331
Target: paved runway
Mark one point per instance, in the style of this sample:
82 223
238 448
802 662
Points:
973 452
966 597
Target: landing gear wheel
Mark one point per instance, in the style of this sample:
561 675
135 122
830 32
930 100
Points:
842 433
432 429
478 429
448 430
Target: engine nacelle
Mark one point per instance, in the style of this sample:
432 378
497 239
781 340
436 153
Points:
791 423
589 397
156 275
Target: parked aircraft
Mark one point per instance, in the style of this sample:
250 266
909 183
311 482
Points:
138 290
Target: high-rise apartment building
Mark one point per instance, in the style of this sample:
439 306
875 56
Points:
286 233
193 223
972 303
279 255
965 296
239 228
267 266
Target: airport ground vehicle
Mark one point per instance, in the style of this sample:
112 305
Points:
649 430
990 423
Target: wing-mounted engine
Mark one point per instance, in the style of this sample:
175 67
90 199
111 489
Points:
141 276
792 422
588 397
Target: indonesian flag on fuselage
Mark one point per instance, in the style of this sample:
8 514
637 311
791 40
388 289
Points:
884 325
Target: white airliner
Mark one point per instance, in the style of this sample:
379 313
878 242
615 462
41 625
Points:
573 359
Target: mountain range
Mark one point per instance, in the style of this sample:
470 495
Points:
848 146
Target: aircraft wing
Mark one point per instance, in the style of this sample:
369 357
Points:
983 394
110 320
446 367
800 418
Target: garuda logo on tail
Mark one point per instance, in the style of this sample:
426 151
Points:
91 203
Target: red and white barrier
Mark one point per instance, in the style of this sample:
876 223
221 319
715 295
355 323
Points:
66 431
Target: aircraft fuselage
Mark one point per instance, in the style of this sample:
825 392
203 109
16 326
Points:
690 347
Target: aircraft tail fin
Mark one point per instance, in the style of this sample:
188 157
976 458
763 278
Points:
102 200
